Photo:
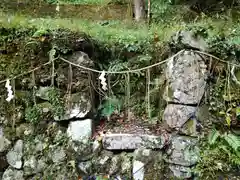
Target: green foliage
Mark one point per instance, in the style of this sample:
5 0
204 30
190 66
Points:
33 114
109 106
219 155
56 102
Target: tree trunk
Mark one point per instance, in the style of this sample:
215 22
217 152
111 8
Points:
139 9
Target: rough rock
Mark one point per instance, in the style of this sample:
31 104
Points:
180 172
58 155
132 141
81 58
138 170
187 76
33 166
187 39
14 157
79 130
12 174
4 144
79 106
183 151
177 115
43 92
85 167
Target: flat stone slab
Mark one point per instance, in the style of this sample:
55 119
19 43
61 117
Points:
133 141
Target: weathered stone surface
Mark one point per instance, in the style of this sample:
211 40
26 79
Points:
4 144
81 58
32 165
183 151
58 155
132 141
79 105
186 75
11 174
43 92
188 39
138 170
177 115
79 130
182 172
14 157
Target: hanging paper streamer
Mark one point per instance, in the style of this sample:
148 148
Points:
103 81
9 90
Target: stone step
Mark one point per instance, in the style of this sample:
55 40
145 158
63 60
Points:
133 141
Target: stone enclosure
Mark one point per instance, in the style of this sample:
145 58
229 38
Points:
70 153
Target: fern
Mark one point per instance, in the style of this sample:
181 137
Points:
212 138
234 142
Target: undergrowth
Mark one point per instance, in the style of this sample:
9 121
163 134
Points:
219 156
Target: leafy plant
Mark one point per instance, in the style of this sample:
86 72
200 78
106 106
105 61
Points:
56 102
33 114
110 105
220 154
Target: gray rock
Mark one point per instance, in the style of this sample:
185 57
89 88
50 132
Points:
81 58
79 105
183 151
43 92
138 170
30 164
14 157
80 130
12 174
132 141
142 155
177 115
190 40
180 171
187 76
4 144
85 167
58 155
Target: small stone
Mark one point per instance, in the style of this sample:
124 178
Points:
12 174
58 155
183 151
14 157
180 171
79 130
4 144
138 170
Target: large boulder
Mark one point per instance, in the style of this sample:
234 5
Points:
186 75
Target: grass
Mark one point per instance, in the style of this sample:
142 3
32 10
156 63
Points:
115 32
123 32
85 2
